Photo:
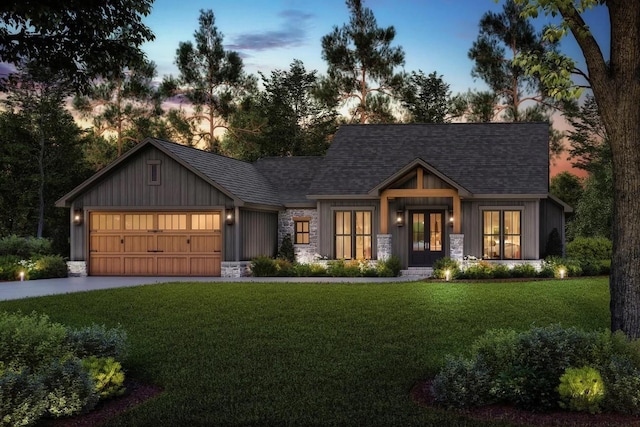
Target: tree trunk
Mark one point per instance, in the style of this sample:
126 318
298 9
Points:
41 185
617 93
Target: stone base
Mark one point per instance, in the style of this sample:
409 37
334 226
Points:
384 247
235 268
77 268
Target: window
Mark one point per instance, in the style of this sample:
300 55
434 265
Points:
153 172
501 236
301 231
353 234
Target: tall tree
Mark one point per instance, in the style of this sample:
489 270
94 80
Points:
126 104
427 98
211 78
362 64
615 83
41 152
290 119
79 40
567 187
502 37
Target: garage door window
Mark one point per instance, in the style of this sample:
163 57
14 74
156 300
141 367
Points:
205 221
105 222
172 222
138 222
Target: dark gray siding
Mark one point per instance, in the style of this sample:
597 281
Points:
472 225
551 216
127 186
326 223
259 234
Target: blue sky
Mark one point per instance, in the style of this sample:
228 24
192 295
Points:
269 34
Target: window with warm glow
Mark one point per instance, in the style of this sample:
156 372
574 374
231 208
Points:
302 232
353 234
501 234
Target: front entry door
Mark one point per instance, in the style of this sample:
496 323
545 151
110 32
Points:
427 237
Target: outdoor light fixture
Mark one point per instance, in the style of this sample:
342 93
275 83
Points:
77 216
447 275
451 218
229 218
399 217
22 276
562 272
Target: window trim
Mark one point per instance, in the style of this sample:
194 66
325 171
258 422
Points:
353 210
502 210
154 168
301 220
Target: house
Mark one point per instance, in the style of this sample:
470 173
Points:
416 191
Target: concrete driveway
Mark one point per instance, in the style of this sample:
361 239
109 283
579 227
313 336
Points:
36 288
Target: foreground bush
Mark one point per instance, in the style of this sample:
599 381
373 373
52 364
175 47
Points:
41 372
526 369
268 267
24 247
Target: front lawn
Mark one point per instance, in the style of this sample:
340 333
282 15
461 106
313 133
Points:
309 354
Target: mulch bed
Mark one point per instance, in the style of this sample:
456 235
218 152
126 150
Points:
421 395
135 394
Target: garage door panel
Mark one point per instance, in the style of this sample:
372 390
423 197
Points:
105 243
139 243
173 266
173 243
205 243
205 266
105 266
139 265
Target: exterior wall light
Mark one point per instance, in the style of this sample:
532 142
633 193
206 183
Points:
229 218
451 218
399 217
77 216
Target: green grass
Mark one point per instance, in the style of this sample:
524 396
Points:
310 354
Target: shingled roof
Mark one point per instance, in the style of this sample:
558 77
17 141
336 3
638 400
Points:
291 177
240 178
483 158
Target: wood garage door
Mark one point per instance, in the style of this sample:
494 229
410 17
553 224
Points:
155 244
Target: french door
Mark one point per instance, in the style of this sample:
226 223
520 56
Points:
427 237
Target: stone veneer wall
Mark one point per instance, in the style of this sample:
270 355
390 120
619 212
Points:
384 246
304 253
77 268
235 268
456 246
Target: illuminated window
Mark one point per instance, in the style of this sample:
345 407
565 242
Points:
302 231
353 234
501 234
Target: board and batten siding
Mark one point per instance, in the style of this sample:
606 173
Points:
326 225
127 188
472 225
259 234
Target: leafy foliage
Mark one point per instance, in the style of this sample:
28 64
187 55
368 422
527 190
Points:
581 389
22 399
553 246
81 42
585 249
286 249
442 265
106 374
24 247
97 340
427 98
69 389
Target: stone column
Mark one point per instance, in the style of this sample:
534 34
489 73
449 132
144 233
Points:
384 247
456 246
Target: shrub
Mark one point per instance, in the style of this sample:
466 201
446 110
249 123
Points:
286 249
581 389
24 247
318 270
10 267
263 266
22 401
589 248
69 389
440 267
461 383
524 270
340 268
393 263
480 270
554 244
501 271
622 380
107 376
284 267
97 340
29 340
48 267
